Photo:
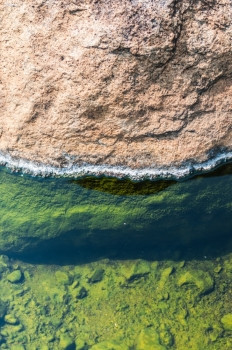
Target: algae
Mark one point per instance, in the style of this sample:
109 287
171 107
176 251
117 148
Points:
173 292
36 212
43 313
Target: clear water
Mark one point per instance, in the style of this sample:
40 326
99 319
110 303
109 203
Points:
101 263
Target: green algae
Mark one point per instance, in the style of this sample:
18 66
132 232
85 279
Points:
42 312
227 322
35 210
178 298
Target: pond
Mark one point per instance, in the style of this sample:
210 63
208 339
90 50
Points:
103 263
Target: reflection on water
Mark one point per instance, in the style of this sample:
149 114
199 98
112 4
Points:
103 264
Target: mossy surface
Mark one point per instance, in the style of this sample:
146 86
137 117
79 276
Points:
167 305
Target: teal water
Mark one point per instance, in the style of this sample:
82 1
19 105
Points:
104 263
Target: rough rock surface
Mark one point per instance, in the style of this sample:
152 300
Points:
131 82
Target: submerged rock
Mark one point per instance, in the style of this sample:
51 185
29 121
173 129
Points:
82 293
149 339
63 278
66 342
97 276
10 319
227 322
141 269
15 276
201 279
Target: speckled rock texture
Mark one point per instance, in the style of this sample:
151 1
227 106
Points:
140 83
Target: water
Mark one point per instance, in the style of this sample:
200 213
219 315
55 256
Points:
102 263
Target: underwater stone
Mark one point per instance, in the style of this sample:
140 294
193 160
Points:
164 277
141 269
166 338
17 347
97 276
66 342
202 280
110 345
63 277
227 322
83 293
15 276
10 319
149 339
218 269
80 344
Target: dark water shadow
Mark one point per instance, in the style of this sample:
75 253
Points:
128 187
61 252
123 187
207 245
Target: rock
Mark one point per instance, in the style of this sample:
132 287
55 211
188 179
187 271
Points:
66 342
218 269
80 344
166 337
83 293
10 319
227 322
164 277
141 269
139 84
110 345
202 280
97 276
148 339
17 347
15 276
63 277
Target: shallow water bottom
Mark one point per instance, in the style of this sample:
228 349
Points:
115 304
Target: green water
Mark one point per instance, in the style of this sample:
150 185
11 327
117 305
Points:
107 264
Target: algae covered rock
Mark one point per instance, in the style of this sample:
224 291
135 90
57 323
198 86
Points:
82 293
66 342
63 278
10 319
141 269
201 279
227 322
15 276
149 339
17 347
110 345
97 276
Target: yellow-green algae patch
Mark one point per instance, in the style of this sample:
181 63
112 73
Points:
130 304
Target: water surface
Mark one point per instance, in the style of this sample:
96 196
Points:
115 264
